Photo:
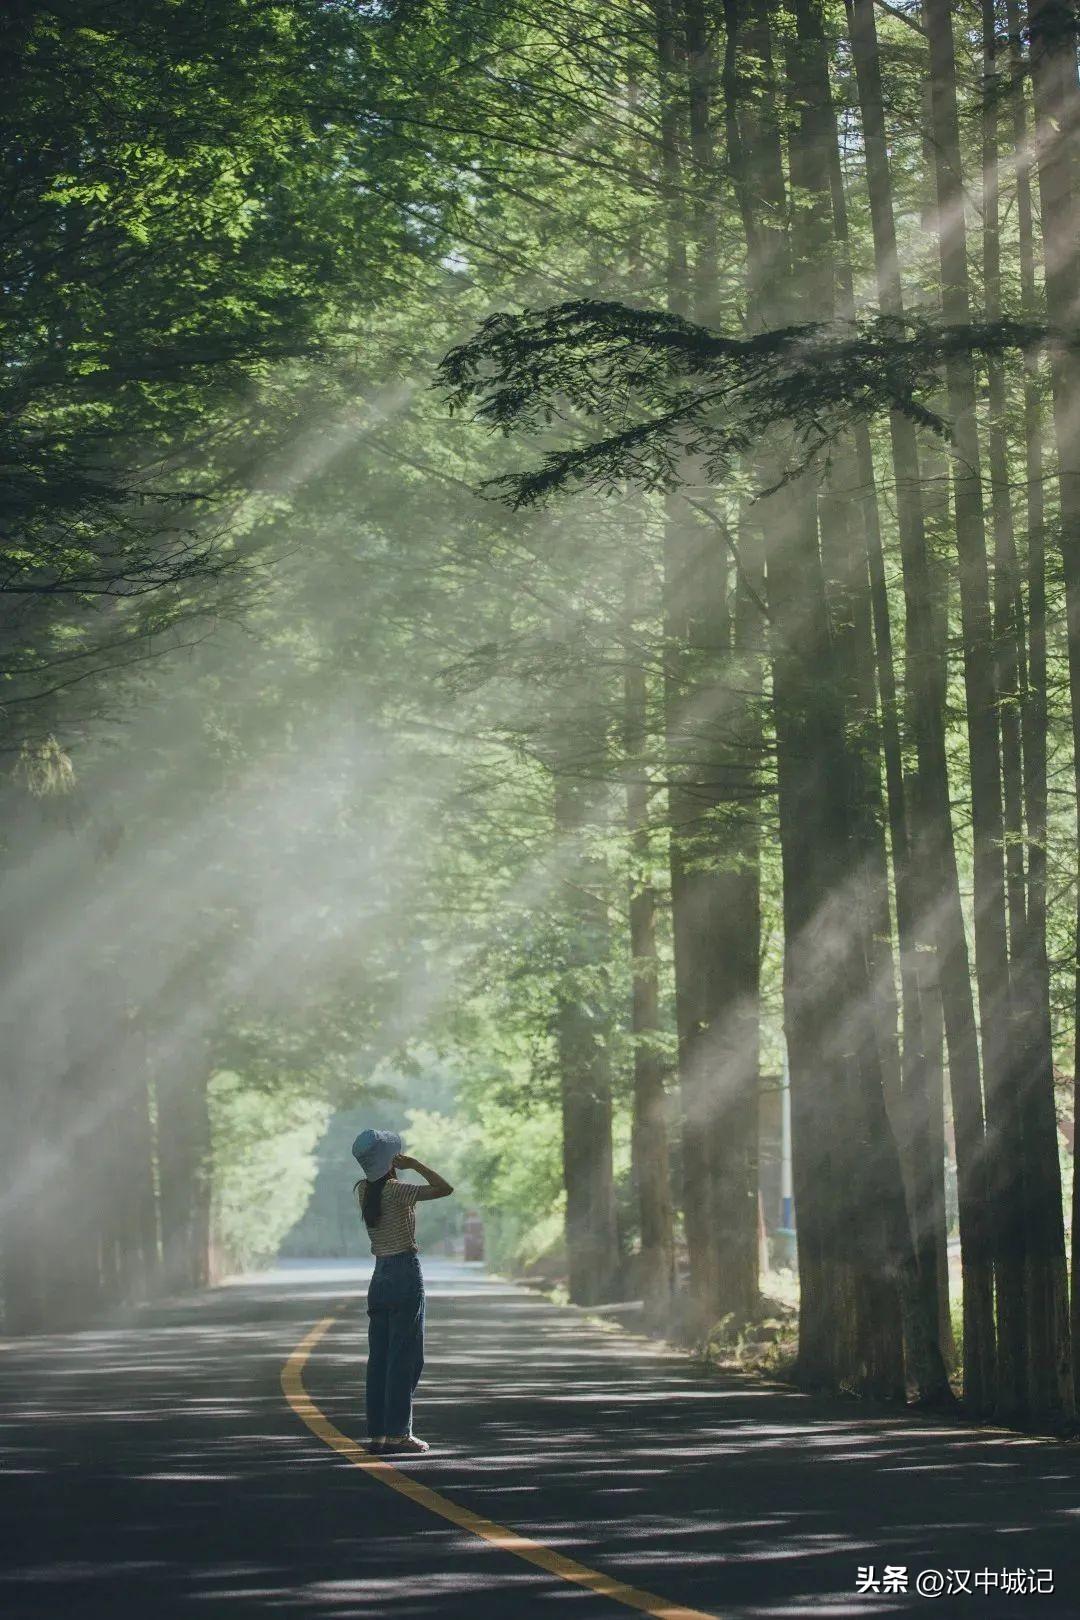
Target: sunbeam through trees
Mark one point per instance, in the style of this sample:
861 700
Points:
540 597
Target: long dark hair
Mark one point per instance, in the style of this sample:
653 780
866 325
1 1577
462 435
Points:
371 1199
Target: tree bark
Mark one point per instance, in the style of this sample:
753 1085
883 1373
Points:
890 1257
712 790
1052 32
1005 1140
849 1321
183 1144
583 1031
861 615
649 1135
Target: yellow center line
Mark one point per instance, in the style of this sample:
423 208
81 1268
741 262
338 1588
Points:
533 1552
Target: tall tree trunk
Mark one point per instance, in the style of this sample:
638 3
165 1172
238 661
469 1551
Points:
49 1189
715 923
838 1135
1007 607
861 612
697 1182
713 844
797 637
650 1145
1006 1147
726 838
1046 1277
1052 1300
21 1181
889 1255
583 1031
953 969
1052 31
737 1152
1009 674
142 1261
649 1138
183 1143
37 1193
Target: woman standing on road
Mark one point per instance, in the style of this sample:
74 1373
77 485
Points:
396 1290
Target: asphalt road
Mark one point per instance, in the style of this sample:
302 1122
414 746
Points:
157 1470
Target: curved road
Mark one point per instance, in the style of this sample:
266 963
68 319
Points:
158 1470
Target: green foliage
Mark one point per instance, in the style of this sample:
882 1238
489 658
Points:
241 239
507 1167
684 395
178 225
262 1167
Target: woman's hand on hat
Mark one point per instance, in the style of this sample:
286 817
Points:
402 1161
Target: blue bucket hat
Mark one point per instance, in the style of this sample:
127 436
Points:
374 1152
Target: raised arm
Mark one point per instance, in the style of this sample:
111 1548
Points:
436 1186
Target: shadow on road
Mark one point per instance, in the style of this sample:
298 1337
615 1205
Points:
155 1468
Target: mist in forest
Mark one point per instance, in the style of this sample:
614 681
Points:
545 598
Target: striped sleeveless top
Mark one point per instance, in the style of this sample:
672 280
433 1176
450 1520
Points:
395 1230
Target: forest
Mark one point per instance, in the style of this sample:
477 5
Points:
540 600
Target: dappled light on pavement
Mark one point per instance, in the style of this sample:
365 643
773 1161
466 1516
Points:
155 1468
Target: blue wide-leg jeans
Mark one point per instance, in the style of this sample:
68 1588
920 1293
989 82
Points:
395 1343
